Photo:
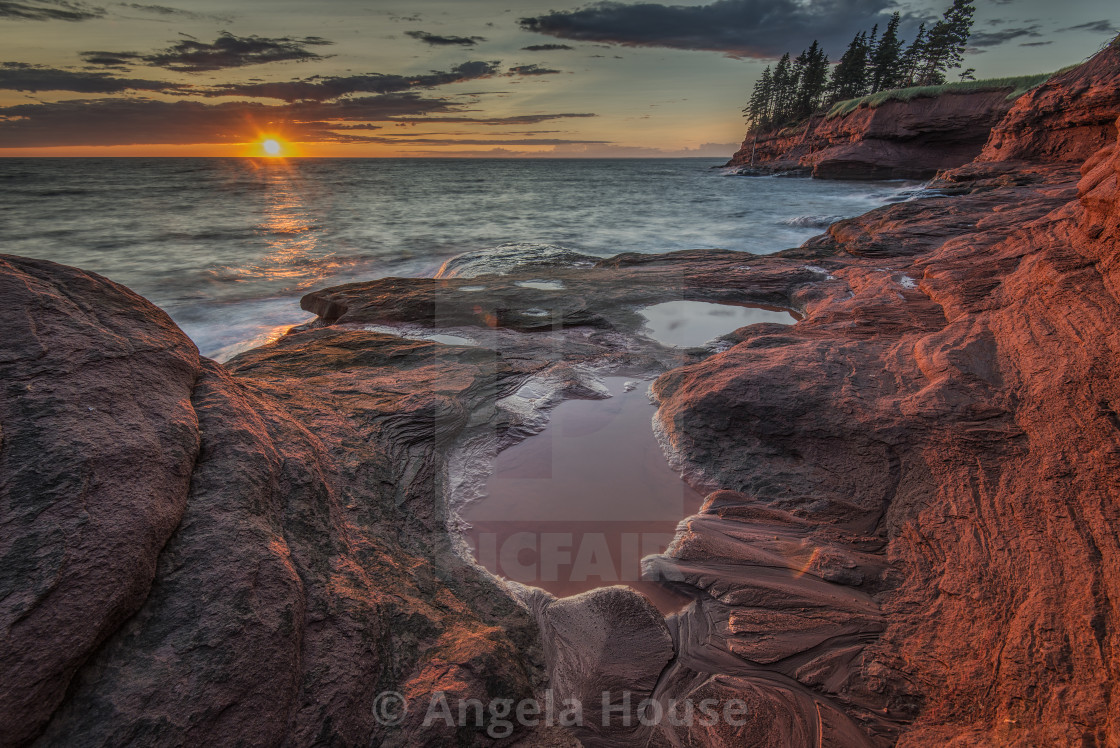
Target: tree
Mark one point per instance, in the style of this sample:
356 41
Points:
794 89
886 58
945 45
785 88
850 74
758 109
812 81
912 59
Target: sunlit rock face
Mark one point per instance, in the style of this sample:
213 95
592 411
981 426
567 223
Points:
1065 120
941 433
896 140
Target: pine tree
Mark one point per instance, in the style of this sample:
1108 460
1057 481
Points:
946 42
758 110
812 65
785 86
795 88
850 74
886 58
912 58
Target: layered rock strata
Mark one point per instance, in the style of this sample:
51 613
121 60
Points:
896 140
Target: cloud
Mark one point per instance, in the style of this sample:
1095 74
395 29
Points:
532 70
130 121
49 10
520 119
995 38
738 28
111 59
133 121
410 140
325 88
546 47
1097 27
19 76
445 41
1035 44
169 12
227 51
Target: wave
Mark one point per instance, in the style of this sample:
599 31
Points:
511 256
811 222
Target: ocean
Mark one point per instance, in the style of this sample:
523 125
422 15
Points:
228 246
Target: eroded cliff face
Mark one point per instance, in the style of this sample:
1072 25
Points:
1065 120
897 140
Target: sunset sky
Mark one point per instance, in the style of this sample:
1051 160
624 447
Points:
446 77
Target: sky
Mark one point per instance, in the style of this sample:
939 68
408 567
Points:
490 78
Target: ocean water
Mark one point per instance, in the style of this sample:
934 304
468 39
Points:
228 246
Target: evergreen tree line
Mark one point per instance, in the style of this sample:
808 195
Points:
795 88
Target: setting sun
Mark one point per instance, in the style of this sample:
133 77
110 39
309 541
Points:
272 147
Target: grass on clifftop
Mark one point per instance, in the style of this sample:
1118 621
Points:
1016 87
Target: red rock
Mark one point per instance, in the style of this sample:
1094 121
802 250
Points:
955 397
897 140
98 443
1067 119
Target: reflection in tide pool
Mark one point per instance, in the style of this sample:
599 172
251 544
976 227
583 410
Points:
577 506
686 324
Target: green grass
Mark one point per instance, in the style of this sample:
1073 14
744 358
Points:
1016 87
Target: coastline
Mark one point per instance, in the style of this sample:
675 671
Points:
913 527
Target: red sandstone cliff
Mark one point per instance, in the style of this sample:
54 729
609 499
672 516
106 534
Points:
897 140
1067 119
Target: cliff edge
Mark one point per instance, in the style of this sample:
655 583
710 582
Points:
898 139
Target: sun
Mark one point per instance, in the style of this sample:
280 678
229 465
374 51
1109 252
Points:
272 147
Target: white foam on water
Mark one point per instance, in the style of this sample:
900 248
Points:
422 334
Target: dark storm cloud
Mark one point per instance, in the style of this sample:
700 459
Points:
740 28
19 76
436 40
227 51
1035 44
1097 27
44 10
546 47
995 38
532 70
145 121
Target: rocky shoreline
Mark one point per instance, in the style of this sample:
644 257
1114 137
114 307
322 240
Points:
910 536
919 137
